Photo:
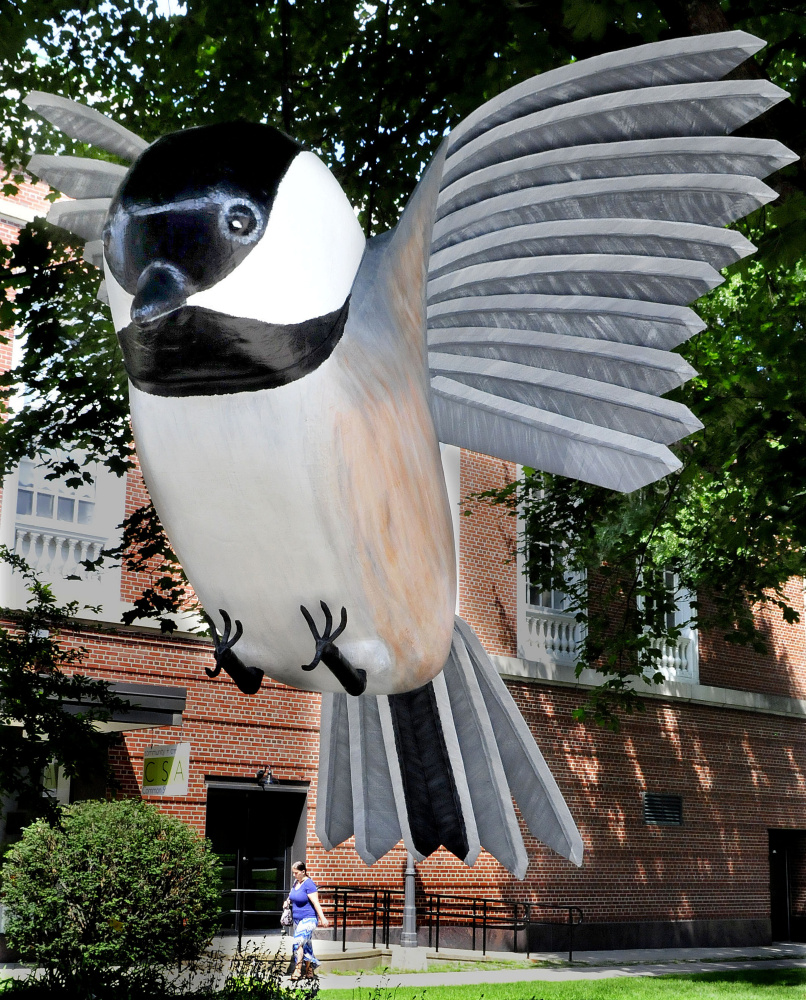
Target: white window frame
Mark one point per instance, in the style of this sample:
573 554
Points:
547 633
679 661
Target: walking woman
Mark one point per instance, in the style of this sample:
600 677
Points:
307 912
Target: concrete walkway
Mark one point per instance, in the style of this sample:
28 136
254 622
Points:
586 965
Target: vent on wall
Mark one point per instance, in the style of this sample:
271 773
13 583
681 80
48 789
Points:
663 810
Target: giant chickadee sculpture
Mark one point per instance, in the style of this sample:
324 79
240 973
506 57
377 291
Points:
290 383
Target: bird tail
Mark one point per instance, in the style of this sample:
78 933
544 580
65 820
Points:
439 766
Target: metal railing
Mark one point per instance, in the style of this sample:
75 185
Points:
570 922
491 914
240 912
383 908
380 907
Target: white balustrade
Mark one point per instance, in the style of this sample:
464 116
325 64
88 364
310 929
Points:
678 661
552 635
57 553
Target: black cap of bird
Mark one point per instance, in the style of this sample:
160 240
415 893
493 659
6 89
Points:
290 385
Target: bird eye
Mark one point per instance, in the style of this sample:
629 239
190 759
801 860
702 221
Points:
241 220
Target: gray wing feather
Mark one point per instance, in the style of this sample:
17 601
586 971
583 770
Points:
587 206
654 113
92 182
83 218
587 400
641 368
377 828
712 199
675 155
629 321
78 176
334 800
86 124
557 444
94 253
654 279
678 60
638 237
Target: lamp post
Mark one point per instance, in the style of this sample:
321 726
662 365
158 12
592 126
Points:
408 935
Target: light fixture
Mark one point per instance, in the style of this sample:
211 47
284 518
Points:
264 777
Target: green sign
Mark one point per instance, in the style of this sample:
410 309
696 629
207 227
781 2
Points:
165 769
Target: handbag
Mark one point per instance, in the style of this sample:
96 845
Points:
286 920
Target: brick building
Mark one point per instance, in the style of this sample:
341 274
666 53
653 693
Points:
693 816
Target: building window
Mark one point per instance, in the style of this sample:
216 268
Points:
52 499
548 629
663 810
678 661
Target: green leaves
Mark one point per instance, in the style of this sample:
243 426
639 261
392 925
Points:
37 676
109 884
374 89
69 389
731 523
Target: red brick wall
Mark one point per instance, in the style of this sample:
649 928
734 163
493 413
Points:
488 573
736 772
780 671
132 584
230 733
32 195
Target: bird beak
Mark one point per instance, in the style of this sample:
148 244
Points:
162 289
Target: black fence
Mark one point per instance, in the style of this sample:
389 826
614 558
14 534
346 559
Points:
382 909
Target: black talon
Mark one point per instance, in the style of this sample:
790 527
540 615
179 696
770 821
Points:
352 679
247 678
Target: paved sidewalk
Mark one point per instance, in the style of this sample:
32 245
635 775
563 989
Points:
586 965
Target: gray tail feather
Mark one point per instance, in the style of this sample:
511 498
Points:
439 765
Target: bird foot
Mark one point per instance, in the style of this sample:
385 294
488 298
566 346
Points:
352 679
248 679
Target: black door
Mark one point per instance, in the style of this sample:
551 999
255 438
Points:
788 885
257 833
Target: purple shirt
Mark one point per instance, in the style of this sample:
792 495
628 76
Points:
301 906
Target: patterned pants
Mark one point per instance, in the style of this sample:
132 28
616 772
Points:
303 932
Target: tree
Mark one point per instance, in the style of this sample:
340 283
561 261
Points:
108 887
731 523
373 89
37 678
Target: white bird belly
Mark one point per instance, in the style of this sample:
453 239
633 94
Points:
296 495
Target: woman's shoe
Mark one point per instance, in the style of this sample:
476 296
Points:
310 971
297 973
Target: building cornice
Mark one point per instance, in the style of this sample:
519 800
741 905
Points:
516 669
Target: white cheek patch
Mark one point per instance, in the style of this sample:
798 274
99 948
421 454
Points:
120 302
306 261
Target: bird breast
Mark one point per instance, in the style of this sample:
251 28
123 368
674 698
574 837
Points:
329 488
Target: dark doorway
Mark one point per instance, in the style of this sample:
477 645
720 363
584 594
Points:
788 885
257 832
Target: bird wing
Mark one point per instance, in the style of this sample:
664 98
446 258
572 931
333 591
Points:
574 218
91 184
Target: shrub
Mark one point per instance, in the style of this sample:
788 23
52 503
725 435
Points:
109 884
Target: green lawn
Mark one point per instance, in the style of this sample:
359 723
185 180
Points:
758 984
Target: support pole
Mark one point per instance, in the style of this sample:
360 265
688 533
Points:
408 935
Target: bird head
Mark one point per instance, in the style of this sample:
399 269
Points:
230 253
